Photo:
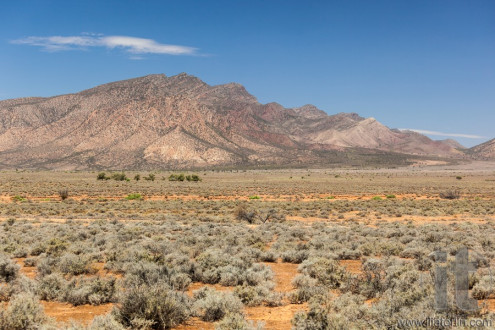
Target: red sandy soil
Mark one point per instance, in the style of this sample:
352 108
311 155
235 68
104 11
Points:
275 318
102 272
284 274
352 266
489 304
29 272
197 324
64 312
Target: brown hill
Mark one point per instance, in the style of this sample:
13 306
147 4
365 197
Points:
484 150
180 121
453 143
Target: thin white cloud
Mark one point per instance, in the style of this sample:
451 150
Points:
422 131
131 45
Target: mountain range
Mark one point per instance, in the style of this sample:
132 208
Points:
181 122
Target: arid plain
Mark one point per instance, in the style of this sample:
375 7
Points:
327 248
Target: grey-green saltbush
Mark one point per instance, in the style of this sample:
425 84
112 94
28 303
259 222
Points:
9 270
156 306
211 305
23 312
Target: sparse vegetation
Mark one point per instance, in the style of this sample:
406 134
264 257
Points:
203 253
119 176
102 176
18 198
63 193
451 194
150 177
193 177
176 177
134 196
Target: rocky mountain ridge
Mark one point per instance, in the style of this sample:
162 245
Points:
180 121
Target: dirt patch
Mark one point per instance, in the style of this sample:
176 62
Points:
284 274
29 272
102 272
352 266
275 318
64 313
196 324
487 305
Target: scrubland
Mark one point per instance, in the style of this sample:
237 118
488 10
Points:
275 249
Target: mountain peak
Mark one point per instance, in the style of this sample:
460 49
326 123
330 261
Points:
310 111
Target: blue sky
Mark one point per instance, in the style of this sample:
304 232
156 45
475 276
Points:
426 65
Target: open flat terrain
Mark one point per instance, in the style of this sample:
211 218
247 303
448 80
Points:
258 248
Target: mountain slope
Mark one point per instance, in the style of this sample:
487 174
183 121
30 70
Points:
484 150
453 143
180 121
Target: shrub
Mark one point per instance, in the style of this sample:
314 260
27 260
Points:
46 265
295 256
23 312
376 198
102 176
106 322
451 194
137 177
73 264
194 178
9 270
156 306
254 197
244 214
133 196
484 288
326 271
307 288
236 321
150 177
315 318
51 287
180 281
63 193
119 176
458 177
268 256
176 177
94 291
390 196
251 295
211 305
30 262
